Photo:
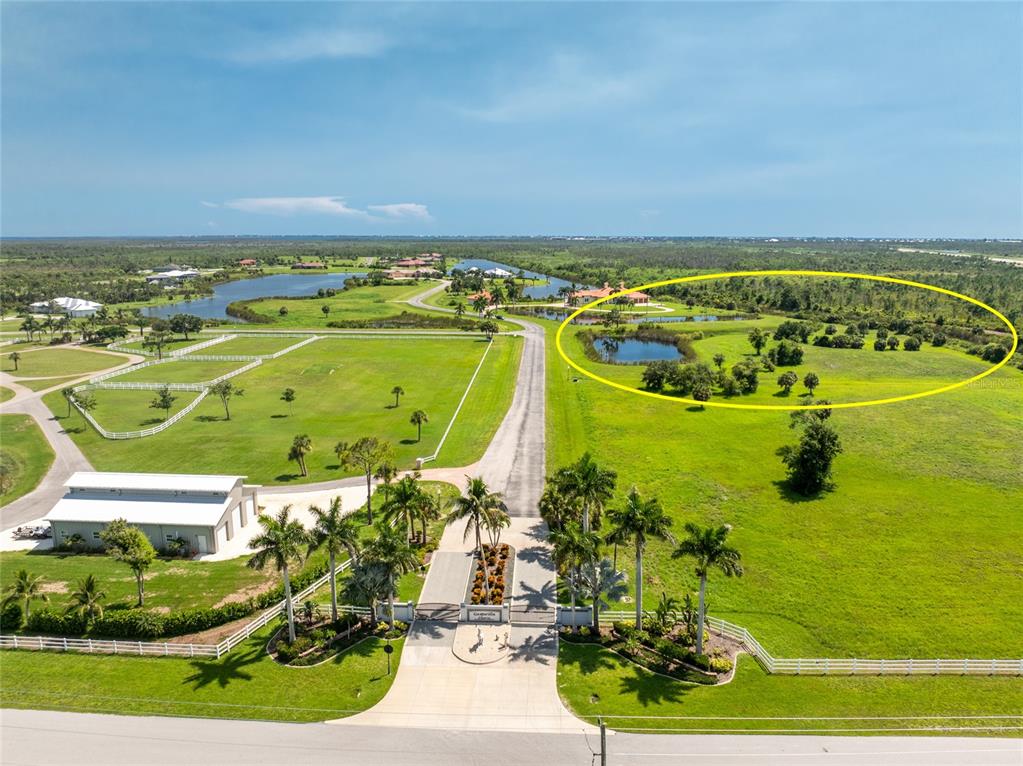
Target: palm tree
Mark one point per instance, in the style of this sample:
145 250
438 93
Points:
26 588
15 357
336 532
638 521
572 548
288 395
390 550
474 504
300 447
368 583
460 309
591 485
368 453
707 546
397 391
283 541
85 601
494 520
403 501
417 419
428 510
385 474
600 579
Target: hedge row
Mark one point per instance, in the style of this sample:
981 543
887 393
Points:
143 624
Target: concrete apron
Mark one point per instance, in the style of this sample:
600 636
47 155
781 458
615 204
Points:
434 689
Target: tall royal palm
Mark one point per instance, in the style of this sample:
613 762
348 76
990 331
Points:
638 521
391 552
591 485
573 548
708 547
282 542
335 532
473 506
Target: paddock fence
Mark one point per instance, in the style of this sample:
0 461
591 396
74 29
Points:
846 666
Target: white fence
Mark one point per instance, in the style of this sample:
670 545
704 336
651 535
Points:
171 649
204 344
841 666
146 432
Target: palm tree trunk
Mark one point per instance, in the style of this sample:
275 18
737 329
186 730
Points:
700 615
639 585
615 563
586 517
333 588
288 606
369 497
423 521
571 591
390 607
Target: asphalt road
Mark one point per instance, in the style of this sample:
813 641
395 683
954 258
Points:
40 737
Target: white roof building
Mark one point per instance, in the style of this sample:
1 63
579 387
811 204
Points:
204 510
76 307
497 273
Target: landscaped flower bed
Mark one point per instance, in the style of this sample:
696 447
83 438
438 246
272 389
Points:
667 655
494 579
317 642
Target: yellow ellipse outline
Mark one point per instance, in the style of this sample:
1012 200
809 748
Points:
788 273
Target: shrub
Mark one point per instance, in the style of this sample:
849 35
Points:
938 339
47 621
11 617
786 354
130 623
880 345
720 664
912 343
585 631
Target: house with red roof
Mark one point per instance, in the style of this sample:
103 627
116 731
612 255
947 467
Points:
587 296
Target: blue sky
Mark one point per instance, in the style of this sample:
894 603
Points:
866 119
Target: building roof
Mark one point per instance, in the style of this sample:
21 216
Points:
69 304
606 290
199 511
151 482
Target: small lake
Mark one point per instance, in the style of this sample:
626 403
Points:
548 289
633 351
288 285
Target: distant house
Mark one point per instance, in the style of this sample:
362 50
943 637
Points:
172 277
247 262
586 296
411 273
411 262
72 307
205 511
430 256
496 273
485 294
309 265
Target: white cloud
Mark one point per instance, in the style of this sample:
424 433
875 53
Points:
314 44
334 206
403 210
204 203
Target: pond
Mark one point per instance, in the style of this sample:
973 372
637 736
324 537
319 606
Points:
548 288
634 351
215 306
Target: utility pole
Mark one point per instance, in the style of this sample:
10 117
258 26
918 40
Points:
603 742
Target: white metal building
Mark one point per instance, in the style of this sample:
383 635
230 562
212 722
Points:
73 307
204 510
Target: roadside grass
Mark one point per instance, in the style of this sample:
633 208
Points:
171 584
358 303
59 361
180 371
245 683
25 452
43 383
917 552
343 393
595 682
5 394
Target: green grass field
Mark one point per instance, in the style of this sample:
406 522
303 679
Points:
357 303
171 584
255 346
125 410
596 682
246 683
180 371
916 553
171 345
5 394
60 361
26 452
44 383
343 393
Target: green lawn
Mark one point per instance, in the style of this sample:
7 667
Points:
170 583
596 682
60 361
180 371
250 346
5 394
918 552
171 345
357 303
26 452
343 393
245 683
44 383
126 410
